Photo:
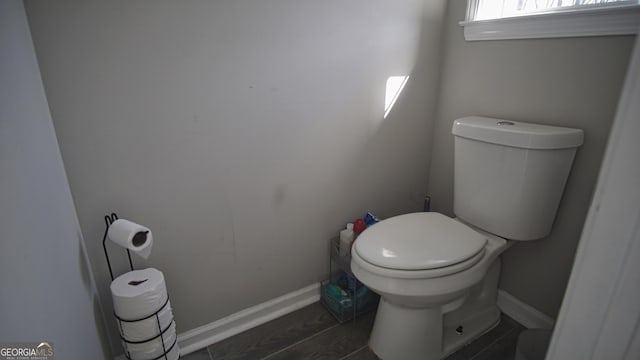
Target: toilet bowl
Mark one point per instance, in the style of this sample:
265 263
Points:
438 276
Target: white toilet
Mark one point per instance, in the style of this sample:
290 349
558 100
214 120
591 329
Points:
438 276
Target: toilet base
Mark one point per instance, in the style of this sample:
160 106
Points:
401 333
405 333
478 315
457 335
419 333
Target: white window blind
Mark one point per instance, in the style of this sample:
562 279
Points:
515 19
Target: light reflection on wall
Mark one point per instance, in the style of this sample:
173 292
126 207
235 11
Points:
394 87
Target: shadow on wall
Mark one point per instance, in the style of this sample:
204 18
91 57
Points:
98 314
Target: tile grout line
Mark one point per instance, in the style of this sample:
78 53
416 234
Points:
299 342
353 352
492 343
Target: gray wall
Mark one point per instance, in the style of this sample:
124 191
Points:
243 133
569 82
48 293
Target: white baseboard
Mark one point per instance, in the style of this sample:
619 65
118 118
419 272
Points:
246 319
211 333
523 313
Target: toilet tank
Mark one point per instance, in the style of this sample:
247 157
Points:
509 176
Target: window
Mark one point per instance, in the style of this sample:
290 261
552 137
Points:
518 19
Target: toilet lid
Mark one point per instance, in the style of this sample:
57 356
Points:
418 241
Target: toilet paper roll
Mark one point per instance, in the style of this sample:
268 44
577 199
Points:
147 328
138 293
153 349
173 354
132 236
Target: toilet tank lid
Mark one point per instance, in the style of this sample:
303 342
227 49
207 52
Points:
516 133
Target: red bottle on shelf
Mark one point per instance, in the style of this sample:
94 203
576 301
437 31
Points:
358 227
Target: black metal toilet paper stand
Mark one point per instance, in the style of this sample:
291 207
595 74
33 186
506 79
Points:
109 220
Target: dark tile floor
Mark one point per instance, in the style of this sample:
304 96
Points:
312 333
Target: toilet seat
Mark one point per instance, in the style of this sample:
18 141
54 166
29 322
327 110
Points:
424 242
417 274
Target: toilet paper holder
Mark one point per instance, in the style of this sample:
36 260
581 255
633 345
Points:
109 220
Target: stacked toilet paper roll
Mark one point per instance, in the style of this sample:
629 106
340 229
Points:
137 296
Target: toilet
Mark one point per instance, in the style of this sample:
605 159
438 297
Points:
437 276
